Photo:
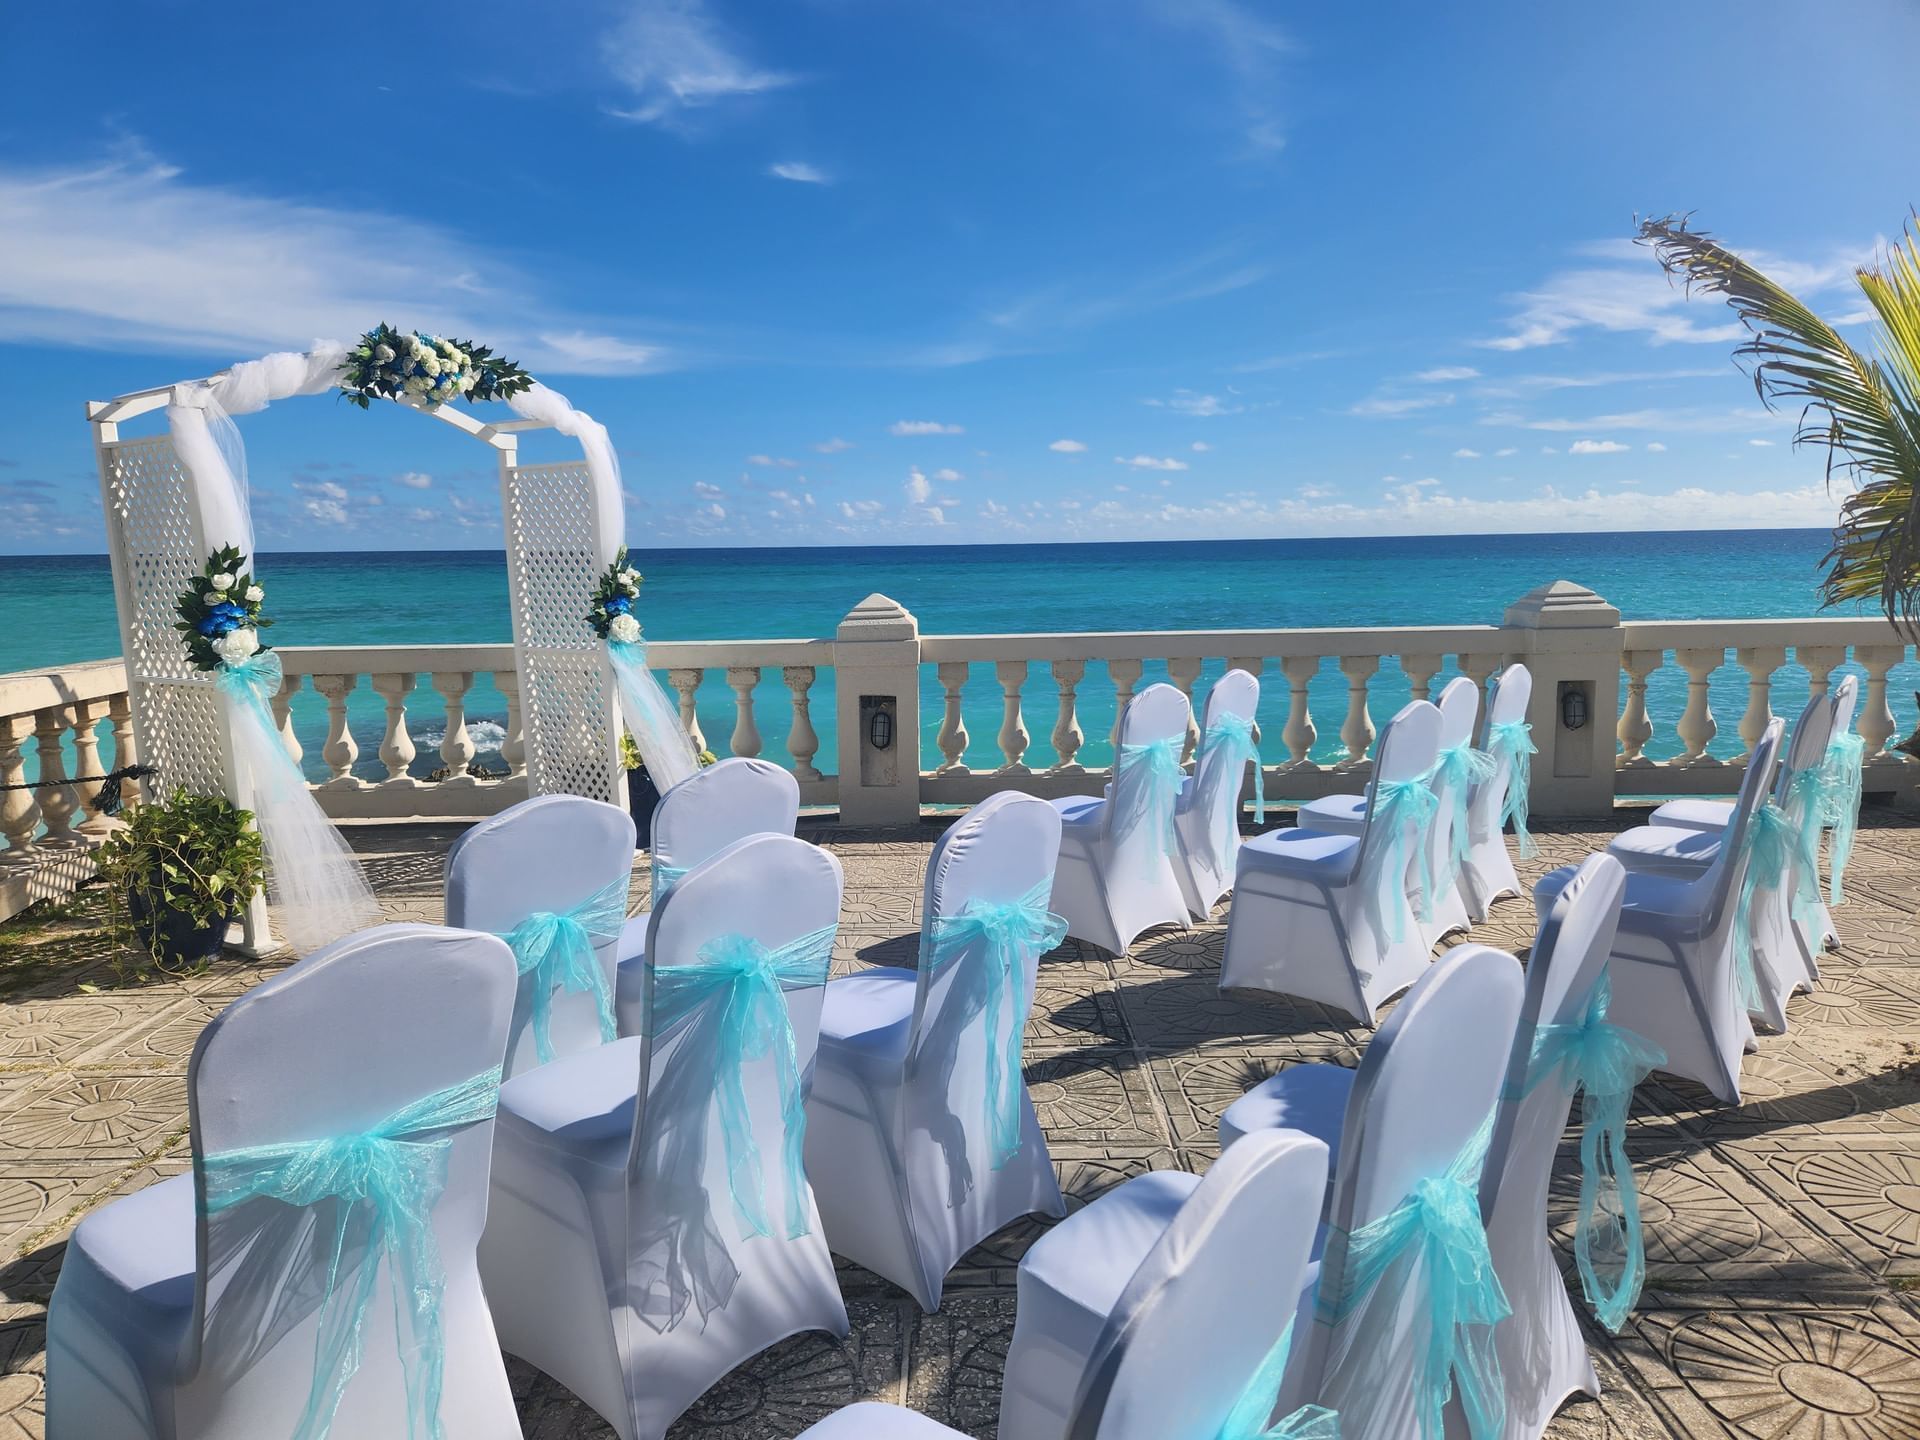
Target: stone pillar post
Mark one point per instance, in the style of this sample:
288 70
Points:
876 662
1570 640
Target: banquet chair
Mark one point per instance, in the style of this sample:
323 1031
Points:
1206 817
1784 907
702 815
1327 917
550 877
1115 875
1457 769
1489 872
651 1224
1407 1133
921 1141
201 1308
1675 961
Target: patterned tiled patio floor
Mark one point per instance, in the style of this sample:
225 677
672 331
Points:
1783 1234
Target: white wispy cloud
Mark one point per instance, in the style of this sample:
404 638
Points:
1504 451
1463 453
707 490
924 427
1200 447
1251 47
919 489
1392 407
1761 444
1447 374
947 476
833 446
1150 462
801 172
1696 420
1192 402
674 57
1067 447
414 480
1597 447
1656 447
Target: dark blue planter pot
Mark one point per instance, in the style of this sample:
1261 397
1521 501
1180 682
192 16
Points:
642 799
175 940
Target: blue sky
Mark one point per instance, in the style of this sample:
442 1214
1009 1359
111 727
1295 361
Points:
866 271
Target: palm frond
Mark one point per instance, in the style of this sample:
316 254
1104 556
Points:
1863 411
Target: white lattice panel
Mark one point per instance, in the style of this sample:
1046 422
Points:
152 526
566 686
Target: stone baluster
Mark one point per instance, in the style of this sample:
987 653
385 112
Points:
19 810
396 746
340 749
1759 661
1480 669
456 747
1697 726
1820 662
1125 675
1356 731
513 749
86 716
126 749
58 802
685 683
1067 735
1420 671
746 734
1876 725
1183 672
802 743
1298 735
1635 729
953 721
1013 731
282 706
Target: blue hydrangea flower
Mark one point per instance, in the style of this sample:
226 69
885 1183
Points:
619 605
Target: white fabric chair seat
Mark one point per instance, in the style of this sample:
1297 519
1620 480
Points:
1335 814
1080 809
578 1100
867 1018
1661 849
1306 853
1088 1258
1694 814
143 1245
1312 1098
873 1421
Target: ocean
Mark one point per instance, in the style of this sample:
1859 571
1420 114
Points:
59 609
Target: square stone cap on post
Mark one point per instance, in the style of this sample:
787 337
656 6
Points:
1562 605
878 618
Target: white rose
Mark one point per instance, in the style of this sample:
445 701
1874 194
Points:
624 628
628 578
237 645
419 385
222 581
383 354
255 594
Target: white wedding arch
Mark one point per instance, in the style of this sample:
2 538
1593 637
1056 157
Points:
171 499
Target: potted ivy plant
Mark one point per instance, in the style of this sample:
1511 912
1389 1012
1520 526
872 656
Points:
184 870
643 796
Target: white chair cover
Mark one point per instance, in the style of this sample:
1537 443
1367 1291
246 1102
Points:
1207 816
621 1248
1115 877
1489 873
1422 1098
901 1132
1674 970
554 855
172 1322
1326 917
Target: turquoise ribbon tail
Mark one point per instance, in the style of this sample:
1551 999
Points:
1248 1420
1604 1062
1844 774
1514 739
556 951
1406 808
1806 807
1233 734
1463 769
1437 1228
1769 846
747 983
1148 776
1009 932
398 1168
665 877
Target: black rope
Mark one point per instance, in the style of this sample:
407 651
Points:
107 800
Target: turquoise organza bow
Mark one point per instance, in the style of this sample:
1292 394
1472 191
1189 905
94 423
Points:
397 1169
1604 1062
1248 1420
1438 1227
665 877
1806 806
1009 931
1769 851
1840 808
1232 736
1403 810
1460 769
254 680
1146 785
1514 740
746 984
555 951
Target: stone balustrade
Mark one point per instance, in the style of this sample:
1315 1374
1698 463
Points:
389 732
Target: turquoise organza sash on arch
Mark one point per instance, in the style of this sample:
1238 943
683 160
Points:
1514 740
1461 769
721 1011
392 1173
1232 736
1402 811
1251 1413
1840 805
653 719
1437 1230
1007 931
1146 786
1604 1062
556 951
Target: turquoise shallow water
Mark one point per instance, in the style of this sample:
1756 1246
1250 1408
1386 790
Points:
56 609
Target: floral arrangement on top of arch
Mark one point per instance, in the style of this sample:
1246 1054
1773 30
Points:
415 368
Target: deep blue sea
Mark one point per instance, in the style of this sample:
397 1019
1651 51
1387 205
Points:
59 609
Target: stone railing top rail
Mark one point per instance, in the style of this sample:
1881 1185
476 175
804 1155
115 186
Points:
1157 644
25 691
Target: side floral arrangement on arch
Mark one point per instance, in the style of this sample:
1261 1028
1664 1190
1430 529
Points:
220 612
408 366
